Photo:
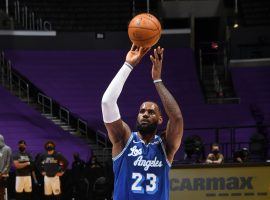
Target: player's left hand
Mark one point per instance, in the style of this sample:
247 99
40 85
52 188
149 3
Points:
157 63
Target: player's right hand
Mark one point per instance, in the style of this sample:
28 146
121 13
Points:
135 54
59 173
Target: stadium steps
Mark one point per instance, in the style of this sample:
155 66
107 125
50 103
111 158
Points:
102 154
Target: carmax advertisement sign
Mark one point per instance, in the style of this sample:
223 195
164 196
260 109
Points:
252 183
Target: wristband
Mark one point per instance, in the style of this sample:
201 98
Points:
129 65
157 81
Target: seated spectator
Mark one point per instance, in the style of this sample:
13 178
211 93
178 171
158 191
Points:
241 156
194 150
94 163
215 157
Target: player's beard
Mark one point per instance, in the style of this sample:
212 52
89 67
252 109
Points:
147 129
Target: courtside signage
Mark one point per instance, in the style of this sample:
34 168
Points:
237 183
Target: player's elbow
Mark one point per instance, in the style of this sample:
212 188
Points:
179 118
105 102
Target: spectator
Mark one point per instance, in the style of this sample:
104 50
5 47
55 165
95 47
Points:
215 157
241 156
5 161
80 183
23 163
52 165
94 162
194 150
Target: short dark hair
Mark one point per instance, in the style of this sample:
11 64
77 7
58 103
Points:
49 142
22 142
215 145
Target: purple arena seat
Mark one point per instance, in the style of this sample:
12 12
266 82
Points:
19 121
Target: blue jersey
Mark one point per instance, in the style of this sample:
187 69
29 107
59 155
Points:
141 171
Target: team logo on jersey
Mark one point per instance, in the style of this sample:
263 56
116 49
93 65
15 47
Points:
50 160
141 162
135 152
146 164
24 159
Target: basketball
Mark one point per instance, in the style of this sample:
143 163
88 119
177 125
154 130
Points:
144 30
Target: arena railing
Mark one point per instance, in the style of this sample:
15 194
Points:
232 145
106 155
29 19
64 115
102 138
21 86
10 79
46 104
5 71
82 127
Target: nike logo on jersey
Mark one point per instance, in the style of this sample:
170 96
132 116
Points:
136 142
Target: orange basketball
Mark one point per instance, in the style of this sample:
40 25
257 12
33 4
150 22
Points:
144 30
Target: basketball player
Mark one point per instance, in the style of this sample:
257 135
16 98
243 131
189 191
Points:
23 163
142 160
52 165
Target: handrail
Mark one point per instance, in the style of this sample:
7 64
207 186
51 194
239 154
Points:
83 130
28 19
226 127
106 154
64 115
101 138
41 100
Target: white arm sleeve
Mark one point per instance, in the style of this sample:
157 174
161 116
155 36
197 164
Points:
110 110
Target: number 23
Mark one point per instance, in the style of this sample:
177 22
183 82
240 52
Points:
139 179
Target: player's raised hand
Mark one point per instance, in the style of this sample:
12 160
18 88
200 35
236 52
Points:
135 54
157 59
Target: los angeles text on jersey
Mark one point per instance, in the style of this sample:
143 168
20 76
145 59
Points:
212 183
140 162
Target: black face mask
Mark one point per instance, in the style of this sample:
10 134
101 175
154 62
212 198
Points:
215 151
21 149
49 148
145 130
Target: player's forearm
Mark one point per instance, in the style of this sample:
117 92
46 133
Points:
170 105
109 105
21 165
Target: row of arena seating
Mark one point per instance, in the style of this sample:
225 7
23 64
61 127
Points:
82 15
19 121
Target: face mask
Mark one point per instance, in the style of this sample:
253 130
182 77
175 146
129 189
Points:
145 130
215 151
49 148
21 149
